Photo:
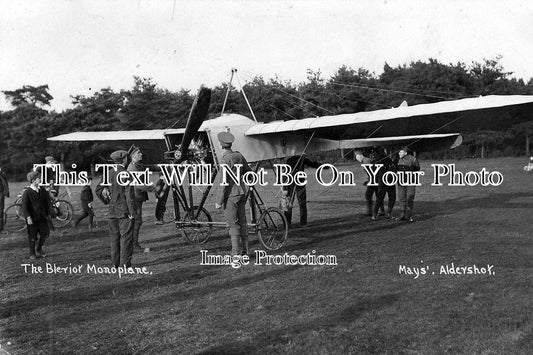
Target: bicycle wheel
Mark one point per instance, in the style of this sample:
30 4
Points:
194 232
64 213
13 221
272 228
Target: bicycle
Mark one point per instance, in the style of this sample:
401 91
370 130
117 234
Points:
15 222
197 225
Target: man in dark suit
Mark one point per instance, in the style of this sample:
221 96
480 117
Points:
298 163
233 197
120 212
383 189
37 210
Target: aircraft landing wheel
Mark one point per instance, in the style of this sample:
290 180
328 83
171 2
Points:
194 232
272 228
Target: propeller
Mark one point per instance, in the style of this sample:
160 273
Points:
197 116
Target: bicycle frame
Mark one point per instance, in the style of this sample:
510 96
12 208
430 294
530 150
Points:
180 197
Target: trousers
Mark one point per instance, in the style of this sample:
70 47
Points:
301 195
406 196
87 211
137 220
235 215
40 228
121 241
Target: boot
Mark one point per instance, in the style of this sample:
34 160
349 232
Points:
32 250
236 245
402 216
245 246
40 253
409 214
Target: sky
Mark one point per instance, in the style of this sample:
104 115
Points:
79 47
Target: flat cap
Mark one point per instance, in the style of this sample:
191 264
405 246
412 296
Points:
118 155
406 149
225 138
50 159
32 175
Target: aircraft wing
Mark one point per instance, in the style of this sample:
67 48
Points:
152 142
422 143
488 112
140 135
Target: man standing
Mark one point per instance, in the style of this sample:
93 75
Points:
298 163
384 189
86 200
141 195
37 210
161 194
406 193
233 196
4 192
120 212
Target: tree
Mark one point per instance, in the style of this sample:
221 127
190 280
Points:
149 107
29 95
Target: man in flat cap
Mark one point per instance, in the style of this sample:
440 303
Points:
233 196
140 195
406 194
53 188
120 212
37 211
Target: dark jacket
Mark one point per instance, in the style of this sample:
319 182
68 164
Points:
121 202
141 193
87 194
408 163
388 165
4 186
36 205
298 164
231 158
161 189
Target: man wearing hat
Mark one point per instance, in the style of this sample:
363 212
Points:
380 157
49 162
406 194
141 195
37 210
233 196
120 213
297 164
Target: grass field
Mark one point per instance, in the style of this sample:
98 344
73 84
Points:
364 305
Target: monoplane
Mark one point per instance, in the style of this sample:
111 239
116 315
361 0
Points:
423 127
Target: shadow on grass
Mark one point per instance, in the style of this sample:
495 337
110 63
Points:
56 237
99 292
281 336
104 298
351 224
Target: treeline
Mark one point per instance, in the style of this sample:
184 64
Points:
146 106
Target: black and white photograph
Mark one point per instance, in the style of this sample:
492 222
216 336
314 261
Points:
266 177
